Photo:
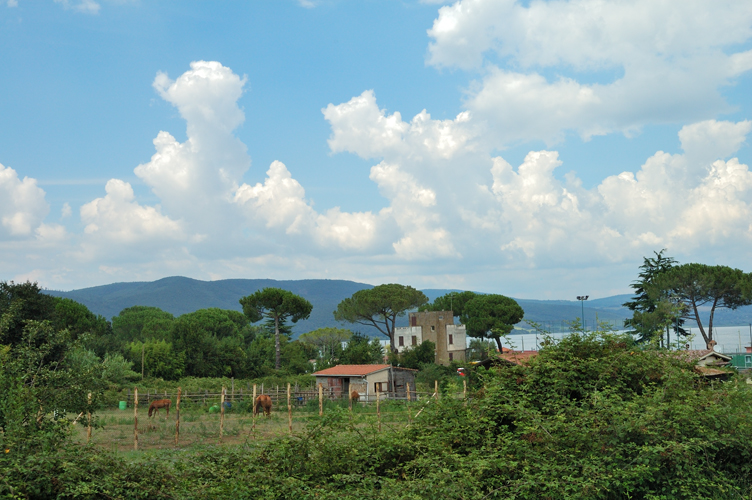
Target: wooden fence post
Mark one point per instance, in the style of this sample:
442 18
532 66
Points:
409 417
88 415
135 418
289 409
177 418
321 400
253 426
378 407
436 389
222 412
232 394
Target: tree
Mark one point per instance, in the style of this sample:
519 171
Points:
362 351
39 373
328 344
278 304
415 357
653 314
491 316
379 307
452 301
140 323
697 285
212 341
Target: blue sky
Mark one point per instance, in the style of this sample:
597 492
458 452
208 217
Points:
493 145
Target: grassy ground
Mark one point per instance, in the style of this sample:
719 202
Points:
199 428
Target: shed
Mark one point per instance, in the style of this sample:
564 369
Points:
338 381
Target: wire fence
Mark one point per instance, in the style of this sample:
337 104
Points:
229 417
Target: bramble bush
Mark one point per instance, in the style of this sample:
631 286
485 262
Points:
591 417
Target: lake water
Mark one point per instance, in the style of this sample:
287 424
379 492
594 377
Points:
731 339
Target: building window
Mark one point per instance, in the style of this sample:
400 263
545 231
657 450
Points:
415 340
451 356
748 359
401 341
441 317
433 328
413 321
379 386
451 339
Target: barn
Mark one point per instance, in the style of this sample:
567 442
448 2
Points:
338 381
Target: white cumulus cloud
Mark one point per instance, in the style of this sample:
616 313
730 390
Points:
652 62
22 204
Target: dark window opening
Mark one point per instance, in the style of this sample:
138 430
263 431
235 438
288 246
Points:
401 341
451 339
415 340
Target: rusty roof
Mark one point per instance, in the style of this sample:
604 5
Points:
518 357
699 354
350 370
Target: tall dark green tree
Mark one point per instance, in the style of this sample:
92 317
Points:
452 301
361 350
491 316
380 306
653 312
279 305
698 285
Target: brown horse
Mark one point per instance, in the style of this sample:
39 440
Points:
354 396
265 402
160 403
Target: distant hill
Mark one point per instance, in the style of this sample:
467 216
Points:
179 295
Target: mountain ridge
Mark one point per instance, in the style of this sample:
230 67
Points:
180 295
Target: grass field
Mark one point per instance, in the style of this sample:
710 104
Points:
199 428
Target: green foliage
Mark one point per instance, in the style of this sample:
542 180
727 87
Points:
491 316
160 360
591 417
698 285
479 349
361 350
117 370
139 323
414 357
452 301
380 306
279 305
39 383
653 312
211 342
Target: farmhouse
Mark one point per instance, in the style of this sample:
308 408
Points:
439 328
338 381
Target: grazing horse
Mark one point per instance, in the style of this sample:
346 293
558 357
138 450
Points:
265 402
160 403
354 396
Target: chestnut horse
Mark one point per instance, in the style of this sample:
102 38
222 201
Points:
160 403
354 396
265 402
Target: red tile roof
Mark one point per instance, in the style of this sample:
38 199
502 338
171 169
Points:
350 370
518 357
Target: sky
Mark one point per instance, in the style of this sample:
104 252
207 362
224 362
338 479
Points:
537 149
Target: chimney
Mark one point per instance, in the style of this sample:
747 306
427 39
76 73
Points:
712 344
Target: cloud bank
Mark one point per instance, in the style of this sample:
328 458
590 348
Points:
456 212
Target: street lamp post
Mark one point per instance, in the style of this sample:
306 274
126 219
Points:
582 299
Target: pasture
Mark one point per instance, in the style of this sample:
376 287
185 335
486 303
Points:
200 428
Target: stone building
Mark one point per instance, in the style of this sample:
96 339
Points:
439 328
368 380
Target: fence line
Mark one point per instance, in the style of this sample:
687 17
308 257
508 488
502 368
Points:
277 395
